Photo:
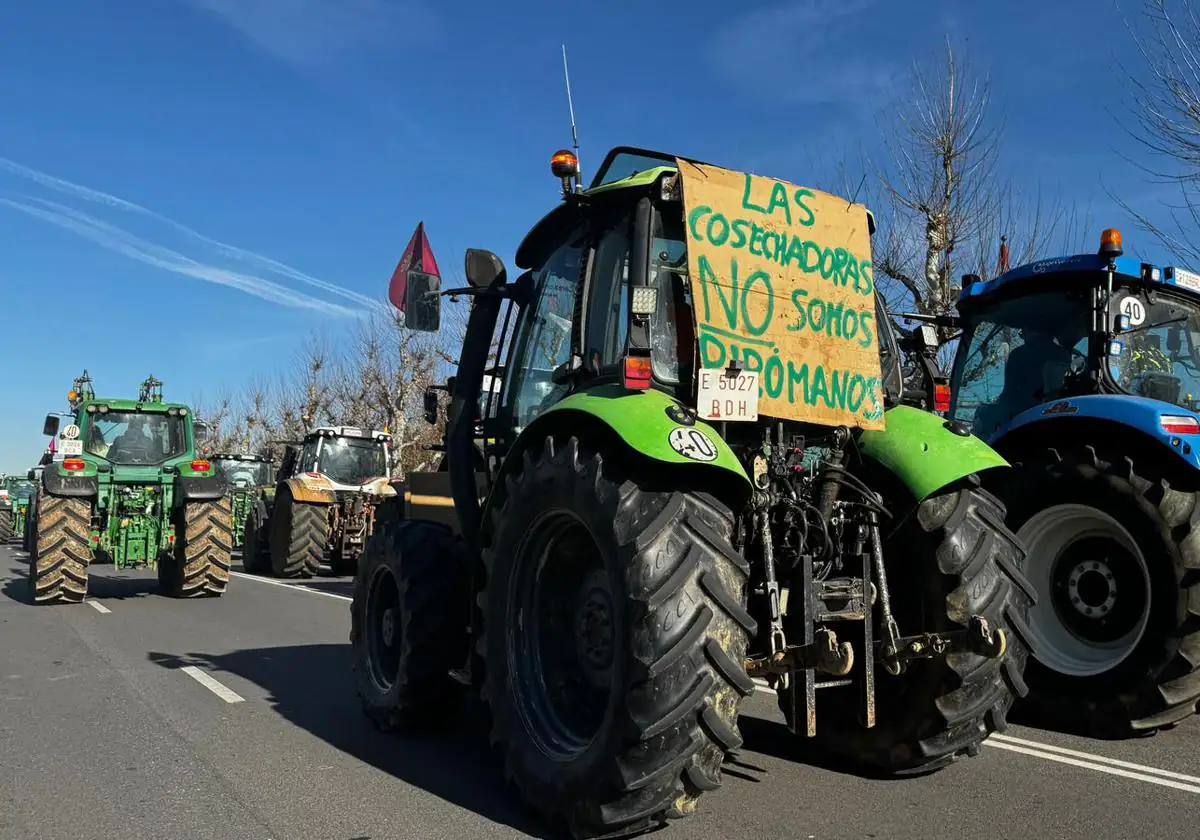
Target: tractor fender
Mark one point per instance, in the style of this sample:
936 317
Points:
925 452
311 488
59 483
1102 418
639 422
200 488
381 486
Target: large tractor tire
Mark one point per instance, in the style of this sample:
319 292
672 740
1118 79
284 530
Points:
58 563
614 632
951 559
199 564
1114 554
409 624
6 524
299 534
30 526
256 544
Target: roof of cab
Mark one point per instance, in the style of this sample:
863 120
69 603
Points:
1083 267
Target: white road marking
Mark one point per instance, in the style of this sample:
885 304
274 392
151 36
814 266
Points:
1077 758
294 586
98 607
1129 765
1090 765
206 680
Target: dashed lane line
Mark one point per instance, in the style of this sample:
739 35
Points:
98 607
294 586
206 680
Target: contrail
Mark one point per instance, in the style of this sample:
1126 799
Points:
123 242
97 196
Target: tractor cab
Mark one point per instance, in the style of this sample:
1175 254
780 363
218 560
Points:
243 470
346 455
1092 324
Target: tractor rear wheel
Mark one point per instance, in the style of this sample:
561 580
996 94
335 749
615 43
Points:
199 564
299 534
1114 555
409 623
256 546
6 525
951 559
61 551
614 634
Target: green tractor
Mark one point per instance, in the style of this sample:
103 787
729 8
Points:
14 506
130 491
247 475
697 476
330 489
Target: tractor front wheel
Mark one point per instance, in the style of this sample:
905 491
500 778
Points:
1114 555
614 634
409 623
199 564
61 551
951 559
299 534
6 525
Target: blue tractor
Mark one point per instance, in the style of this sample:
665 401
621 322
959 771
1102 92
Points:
1084 372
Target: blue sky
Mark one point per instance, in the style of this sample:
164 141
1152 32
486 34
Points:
193 187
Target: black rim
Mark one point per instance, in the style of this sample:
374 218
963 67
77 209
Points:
383 628
561 635
1099 593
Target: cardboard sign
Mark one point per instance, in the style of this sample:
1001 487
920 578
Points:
782 282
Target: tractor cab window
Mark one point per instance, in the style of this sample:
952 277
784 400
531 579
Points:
1158 355
133 438
544 340
672 331
351 460
607 311
1020 352
245 473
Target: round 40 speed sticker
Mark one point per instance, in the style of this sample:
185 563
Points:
692 443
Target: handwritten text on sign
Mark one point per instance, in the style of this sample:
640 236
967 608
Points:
782 282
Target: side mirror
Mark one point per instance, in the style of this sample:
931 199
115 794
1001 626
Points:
484 269
431 407
50 427
31 475
423 302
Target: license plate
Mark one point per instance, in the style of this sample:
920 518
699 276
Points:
70 447
731 398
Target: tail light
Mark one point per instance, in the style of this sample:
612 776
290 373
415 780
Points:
201 466
941 397
1180 424
74 465
637 373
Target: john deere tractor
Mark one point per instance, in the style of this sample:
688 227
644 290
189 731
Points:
130 491
246 476
696 473
14 506
326 497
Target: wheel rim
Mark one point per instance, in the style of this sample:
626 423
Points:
383 631
1093 588
561 636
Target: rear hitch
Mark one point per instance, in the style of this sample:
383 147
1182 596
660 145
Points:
978 638
826 655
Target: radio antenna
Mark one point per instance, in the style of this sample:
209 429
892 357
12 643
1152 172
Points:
574 131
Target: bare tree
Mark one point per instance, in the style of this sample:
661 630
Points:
1167 109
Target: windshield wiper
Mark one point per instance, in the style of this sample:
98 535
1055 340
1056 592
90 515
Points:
1143 327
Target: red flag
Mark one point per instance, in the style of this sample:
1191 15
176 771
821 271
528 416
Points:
1002 262
418 256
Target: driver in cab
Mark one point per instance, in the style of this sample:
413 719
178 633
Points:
135 443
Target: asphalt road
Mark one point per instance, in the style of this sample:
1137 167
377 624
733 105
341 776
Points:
134 716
